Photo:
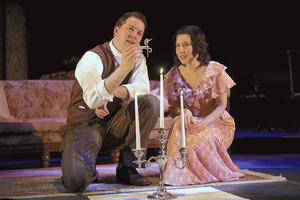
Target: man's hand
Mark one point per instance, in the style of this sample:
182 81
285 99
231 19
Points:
102 111
129 55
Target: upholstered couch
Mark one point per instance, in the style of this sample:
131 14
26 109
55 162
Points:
38 108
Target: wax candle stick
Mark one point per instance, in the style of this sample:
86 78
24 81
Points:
162 120
182 120
137 123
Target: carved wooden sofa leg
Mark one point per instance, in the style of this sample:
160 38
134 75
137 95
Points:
115 155
45 159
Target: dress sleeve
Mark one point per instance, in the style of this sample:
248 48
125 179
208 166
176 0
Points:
222 81
167 85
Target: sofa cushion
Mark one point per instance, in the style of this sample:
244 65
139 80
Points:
32 125
49 138
29 99
25 98
166 103
154 84
57 97
154 88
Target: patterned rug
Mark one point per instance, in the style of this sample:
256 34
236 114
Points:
45 182
207 193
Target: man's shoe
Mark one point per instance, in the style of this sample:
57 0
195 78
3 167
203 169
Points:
130 176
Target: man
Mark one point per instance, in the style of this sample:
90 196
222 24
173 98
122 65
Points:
101 109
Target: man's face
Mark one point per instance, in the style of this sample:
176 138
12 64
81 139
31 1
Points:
131 32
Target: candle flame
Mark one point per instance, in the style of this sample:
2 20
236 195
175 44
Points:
161 70
181 93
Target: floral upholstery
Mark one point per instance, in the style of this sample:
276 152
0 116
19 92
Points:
30 99
40 109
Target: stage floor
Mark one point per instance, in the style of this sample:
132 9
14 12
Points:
285 164
249 141
275 133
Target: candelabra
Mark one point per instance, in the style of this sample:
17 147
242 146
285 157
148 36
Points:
162 160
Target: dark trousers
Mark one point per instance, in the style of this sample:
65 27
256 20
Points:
81 145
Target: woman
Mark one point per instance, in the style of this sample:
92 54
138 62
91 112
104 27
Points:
209 127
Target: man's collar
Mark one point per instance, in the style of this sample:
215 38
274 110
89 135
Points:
115 51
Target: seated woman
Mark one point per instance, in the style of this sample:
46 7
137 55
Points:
209 127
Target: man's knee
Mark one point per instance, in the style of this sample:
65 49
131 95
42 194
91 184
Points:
77 178
148 101
75 183
77 171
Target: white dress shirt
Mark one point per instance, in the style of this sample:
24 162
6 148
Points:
89 71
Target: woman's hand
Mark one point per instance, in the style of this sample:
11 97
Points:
188 119
220 103
191 125
196 128
102 111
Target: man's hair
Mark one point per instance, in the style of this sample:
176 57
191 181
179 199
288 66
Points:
127 15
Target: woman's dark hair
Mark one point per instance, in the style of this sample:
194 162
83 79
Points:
198 42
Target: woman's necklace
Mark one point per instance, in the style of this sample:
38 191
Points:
191 82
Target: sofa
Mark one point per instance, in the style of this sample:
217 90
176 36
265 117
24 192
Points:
36 109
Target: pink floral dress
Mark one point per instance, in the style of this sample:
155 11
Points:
208 158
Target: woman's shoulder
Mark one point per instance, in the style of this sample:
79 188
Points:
216 65
214 68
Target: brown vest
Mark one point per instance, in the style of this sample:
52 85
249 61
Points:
77 115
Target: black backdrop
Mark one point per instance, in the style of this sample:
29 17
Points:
246 37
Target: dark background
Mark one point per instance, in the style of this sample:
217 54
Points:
246 37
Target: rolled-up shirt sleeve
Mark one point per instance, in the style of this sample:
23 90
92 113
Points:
139 81
88 73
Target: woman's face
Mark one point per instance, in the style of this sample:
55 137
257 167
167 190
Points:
184 49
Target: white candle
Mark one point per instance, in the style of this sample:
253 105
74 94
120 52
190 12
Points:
162 120
137 124
182 120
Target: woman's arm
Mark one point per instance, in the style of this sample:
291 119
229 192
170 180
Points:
173 108
221 103
175 111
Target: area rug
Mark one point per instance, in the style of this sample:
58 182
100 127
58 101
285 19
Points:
207 193
46 182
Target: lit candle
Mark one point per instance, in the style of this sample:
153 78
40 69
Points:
137 124
182 120
162 120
